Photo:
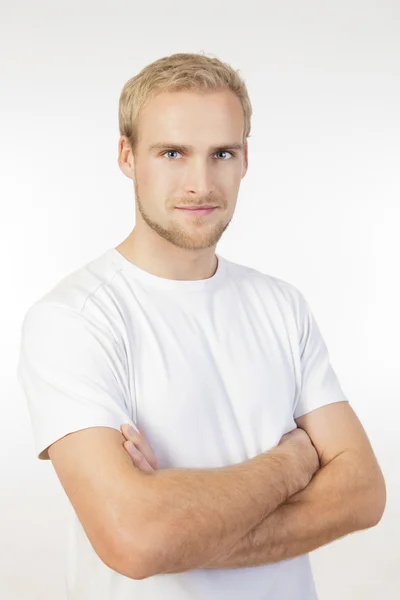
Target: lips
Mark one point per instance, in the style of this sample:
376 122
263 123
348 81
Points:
195 207
200 211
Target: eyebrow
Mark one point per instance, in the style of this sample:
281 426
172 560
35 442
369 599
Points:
185 149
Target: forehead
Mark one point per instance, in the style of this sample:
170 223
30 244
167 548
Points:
192 115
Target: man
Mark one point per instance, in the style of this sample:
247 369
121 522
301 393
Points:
248 454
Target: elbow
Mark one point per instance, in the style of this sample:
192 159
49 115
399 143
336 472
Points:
376 502
137 557
379 503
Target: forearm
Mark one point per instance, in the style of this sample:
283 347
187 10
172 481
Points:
206 511
336 502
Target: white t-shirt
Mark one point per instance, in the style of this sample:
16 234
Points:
215 371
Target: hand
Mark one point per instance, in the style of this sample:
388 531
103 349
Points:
302 450
139 449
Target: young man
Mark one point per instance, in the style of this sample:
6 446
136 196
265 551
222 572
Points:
248 455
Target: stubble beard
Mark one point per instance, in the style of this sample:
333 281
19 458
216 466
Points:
196 237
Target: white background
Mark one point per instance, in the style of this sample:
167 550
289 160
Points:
319 207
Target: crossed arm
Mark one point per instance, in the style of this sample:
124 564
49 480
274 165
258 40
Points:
347 494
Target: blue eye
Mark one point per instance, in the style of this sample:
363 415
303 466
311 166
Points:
225 152
169 152
220 152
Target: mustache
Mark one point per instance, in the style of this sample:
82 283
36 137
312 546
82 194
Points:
206 202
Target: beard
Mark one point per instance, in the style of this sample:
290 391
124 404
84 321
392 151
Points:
196 235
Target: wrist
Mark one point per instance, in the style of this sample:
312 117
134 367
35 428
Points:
291 469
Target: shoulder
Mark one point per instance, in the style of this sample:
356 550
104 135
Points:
283 292
79 301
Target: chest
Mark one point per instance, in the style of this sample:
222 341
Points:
211 387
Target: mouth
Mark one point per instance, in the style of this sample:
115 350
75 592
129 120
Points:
196 210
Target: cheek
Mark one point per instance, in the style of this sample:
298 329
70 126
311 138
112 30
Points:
144 176
160 177
157 191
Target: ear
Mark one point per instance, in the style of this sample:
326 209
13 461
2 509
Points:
125 157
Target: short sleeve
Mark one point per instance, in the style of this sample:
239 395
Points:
319 382
72 374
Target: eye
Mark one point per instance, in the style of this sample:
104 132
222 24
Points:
220 152
170 151
225 152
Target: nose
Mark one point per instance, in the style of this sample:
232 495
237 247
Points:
197 178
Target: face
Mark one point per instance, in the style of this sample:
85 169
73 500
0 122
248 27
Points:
185 157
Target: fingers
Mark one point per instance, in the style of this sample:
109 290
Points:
141 444
139 460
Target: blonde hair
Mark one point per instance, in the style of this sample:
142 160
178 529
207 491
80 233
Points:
182 71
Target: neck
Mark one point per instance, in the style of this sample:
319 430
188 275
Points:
160 257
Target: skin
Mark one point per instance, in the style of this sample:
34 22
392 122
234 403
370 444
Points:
346 494
166 241
139 449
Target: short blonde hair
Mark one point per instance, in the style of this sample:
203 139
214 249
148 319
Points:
182 71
